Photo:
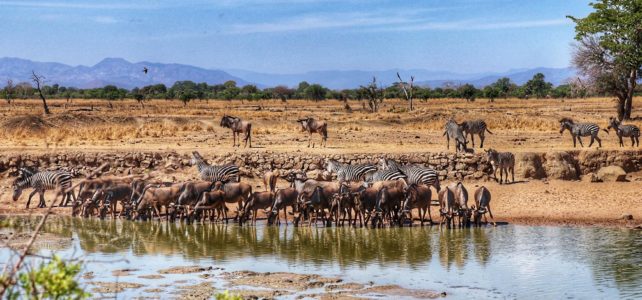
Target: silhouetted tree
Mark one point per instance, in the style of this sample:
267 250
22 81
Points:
39 80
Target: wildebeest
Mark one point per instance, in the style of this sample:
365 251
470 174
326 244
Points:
212 201
419 197
482 205
311 125
257 201
388 204
317 204
282 199
156 198
446 207
238 126
109 197
461 203
235 192
504 161
269 180
191 194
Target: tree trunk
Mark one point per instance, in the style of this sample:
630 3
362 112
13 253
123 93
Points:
44 102
628 104
411 107
621 108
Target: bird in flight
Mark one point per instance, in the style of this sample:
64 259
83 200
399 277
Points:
145 70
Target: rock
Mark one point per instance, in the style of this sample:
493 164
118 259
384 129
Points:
529 165
626 217
611 174
590 177
561 165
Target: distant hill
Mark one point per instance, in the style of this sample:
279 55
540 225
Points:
356 78
122 73
116 71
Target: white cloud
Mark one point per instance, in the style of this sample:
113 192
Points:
74 5
105 20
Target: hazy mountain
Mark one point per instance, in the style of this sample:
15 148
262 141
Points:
116 71
353 79
122 73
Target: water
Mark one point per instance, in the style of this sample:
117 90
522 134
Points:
509 261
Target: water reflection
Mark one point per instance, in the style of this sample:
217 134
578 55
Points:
612 257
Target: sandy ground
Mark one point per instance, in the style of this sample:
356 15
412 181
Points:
517 126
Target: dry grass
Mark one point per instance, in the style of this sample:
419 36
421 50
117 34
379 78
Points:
518 125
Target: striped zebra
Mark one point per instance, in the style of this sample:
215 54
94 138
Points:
383 175
477 127
454 131
349 172
414 174
42 181
211 173
504 161
631 131
579 130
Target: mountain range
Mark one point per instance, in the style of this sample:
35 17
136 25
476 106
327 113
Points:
125 74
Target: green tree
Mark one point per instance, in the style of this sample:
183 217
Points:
538 86
468 92
490 92
504 87
53 280
610 49
315 92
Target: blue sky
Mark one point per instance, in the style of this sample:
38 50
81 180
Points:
280 36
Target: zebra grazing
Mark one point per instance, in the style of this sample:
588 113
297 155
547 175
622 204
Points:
211 173
477 127
383 175
454 131
311 125
579 130
238 126
349 172
631 131
414 174
42 181
504 161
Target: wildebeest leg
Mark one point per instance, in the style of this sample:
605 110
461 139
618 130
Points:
491 215
619 136
30 196
512 172
494 174
501 174
637 140
309 139
482 137
447 141
423 215
248 137
632 141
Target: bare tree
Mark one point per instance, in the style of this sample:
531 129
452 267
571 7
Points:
407 88
8 91
40 80
374 95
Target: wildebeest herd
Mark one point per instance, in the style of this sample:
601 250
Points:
375 195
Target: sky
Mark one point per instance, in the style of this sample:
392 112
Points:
279 36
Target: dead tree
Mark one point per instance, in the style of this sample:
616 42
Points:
40 80
407 88
374 94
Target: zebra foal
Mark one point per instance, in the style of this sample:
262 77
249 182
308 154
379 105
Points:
41 182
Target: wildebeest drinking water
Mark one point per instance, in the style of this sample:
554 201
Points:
311 125
238 126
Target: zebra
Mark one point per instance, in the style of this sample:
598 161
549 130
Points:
504 161
238 126
455 131
473 127
349 172
579 130
383 175
42 181
223 173
414 174
631 131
